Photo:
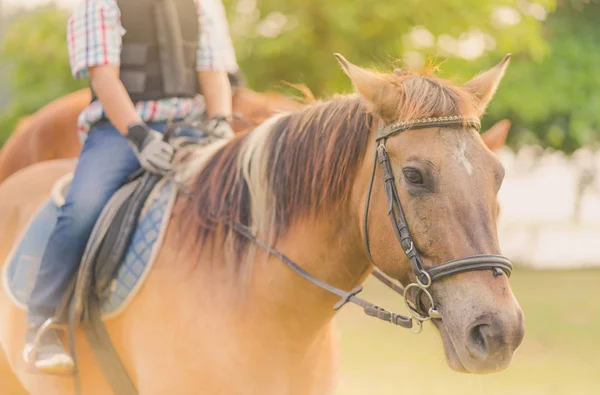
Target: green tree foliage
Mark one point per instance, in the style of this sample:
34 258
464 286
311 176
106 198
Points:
551 91
554 101
294 40
34 50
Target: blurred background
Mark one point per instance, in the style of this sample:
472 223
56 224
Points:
550 200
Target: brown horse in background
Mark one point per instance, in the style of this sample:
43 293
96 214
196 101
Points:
51 132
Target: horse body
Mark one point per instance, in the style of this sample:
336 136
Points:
217 314
227 341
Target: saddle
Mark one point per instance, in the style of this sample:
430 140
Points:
110 239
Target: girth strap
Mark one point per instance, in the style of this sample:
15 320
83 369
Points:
105 353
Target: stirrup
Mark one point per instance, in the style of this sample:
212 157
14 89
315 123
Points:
31 354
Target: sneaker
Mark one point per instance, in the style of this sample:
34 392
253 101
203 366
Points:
51 356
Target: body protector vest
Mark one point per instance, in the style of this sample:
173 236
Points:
158 57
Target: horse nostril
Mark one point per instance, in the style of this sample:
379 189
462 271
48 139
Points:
490 342
478 341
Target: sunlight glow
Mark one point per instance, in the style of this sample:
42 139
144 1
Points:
505 16
272 25
420 37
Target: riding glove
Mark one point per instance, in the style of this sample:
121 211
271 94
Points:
152 151
220 127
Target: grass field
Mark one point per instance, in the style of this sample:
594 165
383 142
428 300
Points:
560 354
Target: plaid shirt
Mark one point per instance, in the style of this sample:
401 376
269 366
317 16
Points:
94 36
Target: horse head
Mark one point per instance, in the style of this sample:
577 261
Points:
446 179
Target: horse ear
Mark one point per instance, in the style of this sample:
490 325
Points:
495 137
484 85
371 86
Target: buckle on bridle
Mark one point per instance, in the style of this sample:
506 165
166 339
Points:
410 249
413 308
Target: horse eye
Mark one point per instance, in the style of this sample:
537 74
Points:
413 176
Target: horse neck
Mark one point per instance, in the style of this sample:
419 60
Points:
326 243
330 247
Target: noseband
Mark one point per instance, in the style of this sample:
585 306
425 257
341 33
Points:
423 277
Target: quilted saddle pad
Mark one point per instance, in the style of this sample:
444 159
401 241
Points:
23 263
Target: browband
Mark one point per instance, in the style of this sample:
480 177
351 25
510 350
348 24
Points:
401 126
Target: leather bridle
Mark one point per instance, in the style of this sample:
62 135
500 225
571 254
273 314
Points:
423 277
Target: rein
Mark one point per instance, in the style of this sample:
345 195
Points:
369 308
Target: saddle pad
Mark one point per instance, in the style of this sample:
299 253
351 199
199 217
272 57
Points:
22 265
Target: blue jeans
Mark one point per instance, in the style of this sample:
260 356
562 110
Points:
105 162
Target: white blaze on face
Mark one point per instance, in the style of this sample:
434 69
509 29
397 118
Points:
461 156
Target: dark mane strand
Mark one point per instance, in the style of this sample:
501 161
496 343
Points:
220 196
314 156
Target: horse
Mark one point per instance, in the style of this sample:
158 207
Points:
51 132
221 311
